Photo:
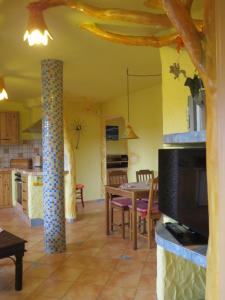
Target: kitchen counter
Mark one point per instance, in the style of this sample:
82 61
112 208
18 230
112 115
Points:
31 187
33 172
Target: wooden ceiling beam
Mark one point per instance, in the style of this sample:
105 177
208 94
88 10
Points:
154 41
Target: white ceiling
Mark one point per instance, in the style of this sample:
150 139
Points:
94 69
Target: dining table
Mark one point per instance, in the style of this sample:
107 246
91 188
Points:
134 191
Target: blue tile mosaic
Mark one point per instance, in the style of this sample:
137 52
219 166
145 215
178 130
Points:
53 156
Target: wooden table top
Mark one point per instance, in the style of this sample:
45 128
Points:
8 240
126 190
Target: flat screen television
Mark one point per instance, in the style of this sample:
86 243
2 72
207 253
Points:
183 187
112 133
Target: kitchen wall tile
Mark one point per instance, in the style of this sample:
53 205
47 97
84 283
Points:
27 150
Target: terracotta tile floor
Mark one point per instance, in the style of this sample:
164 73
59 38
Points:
94 266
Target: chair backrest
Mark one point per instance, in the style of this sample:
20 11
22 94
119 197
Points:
153 194
144 175
116 178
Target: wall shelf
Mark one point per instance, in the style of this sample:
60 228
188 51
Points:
185 137
117 161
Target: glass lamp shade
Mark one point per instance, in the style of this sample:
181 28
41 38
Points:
37 31
3 93
129 133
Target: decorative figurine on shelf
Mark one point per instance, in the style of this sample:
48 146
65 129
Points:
197 89
196 103
176 70
78 126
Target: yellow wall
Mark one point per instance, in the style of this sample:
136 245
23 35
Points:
146 119
88 155
119 146
175 94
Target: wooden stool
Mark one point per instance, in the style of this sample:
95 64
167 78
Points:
79 193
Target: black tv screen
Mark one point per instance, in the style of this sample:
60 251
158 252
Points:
112 133
183 187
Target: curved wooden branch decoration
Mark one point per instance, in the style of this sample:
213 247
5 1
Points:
153 41
154 4
132 16
158 4
185 26
45 4
124 15
129 15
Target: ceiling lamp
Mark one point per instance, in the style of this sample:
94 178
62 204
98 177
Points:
129 133
37 31
3 93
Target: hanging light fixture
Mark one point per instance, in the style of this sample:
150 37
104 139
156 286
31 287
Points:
129 133
37 31
3 93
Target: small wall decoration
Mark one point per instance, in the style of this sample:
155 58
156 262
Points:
177 71
196 101
79 128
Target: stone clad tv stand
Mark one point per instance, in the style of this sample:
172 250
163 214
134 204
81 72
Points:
181 270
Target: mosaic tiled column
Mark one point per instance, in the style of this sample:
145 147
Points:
53 156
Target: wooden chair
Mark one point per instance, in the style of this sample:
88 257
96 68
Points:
115 179
148 211
79 193
144 175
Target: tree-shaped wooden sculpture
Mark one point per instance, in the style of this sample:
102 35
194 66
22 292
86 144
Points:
174 25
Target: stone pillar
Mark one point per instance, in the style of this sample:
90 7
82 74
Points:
53 156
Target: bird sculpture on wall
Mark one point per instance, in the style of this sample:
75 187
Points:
177 71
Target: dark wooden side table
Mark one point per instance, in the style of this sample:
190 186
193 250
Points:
11 245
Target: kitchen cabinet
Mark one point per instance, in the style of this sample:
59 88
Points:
9 128
5 189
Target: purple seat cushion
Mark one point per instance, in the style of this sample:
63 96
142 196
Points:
145 199
121 201
142 206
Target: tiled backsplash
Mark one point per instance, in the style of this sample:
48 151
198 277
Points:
26 150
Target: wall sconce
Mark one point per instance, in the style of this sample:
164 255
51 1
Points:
78 126
37 31
3 93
